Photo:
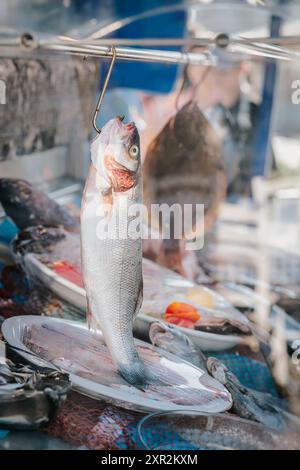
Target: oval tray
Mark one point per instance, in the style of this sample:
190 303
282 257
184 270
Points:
87 360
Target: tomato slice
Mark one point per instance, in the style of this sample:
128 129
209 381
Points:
183 311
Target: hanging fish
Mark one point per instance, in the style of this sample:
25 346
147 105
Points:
112 266
184 164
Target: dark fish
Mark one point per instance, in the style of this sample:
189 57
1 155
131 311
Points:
171 339
37 239
28 206
250 404
184 164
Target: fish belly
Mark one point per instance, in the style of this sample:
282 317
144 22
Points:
112 273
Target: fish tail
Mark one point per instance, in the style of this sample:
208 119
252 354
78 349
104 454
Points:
138 375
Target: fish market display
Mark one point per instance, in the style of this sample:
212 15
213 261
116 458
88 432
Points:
28 206
30 398
112 266
248 404
59 250
84 355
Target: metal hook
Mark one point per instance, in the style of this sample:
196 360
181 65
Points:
185 79
113 49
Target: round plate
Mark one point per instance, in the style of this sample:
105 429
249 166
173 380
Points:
83 354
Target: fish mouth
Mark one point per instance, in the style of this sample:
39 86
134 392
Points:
126 129
111 165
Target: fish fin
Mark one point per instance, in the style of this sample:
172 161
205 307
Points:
138 375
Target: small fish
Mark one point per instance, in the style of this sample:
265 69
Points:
28 206
250 404
112 267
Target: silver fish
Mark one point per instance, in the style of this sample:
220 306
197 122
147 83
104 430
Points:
112 265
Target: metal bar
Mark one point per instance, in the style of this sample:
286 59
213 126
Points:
145 55
278 40
42 45
262 138
148 42
98 48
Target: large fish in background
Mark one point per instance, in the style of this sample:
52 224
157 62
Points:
112 266
184 164
28 206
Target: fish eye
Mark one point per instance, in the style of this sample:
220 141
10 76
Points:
134 150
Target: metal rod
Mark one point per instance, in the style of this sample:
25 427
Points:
96 48
150 42
123 53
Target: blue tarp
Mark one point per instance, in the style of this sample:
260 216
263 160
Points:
146 76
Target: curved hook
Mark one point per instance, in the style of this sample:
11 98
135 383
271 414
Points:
99 102
185 79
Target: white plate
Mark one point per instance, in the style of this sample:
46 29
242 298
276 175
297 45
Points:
194 388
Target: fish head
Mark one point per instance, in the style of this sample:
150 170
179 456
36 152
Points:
170 339
116 155
37 239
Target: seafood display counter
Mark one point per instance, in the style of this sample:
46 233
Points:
149 213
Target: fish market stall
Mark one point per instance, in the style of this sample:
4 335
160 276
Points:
149 225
